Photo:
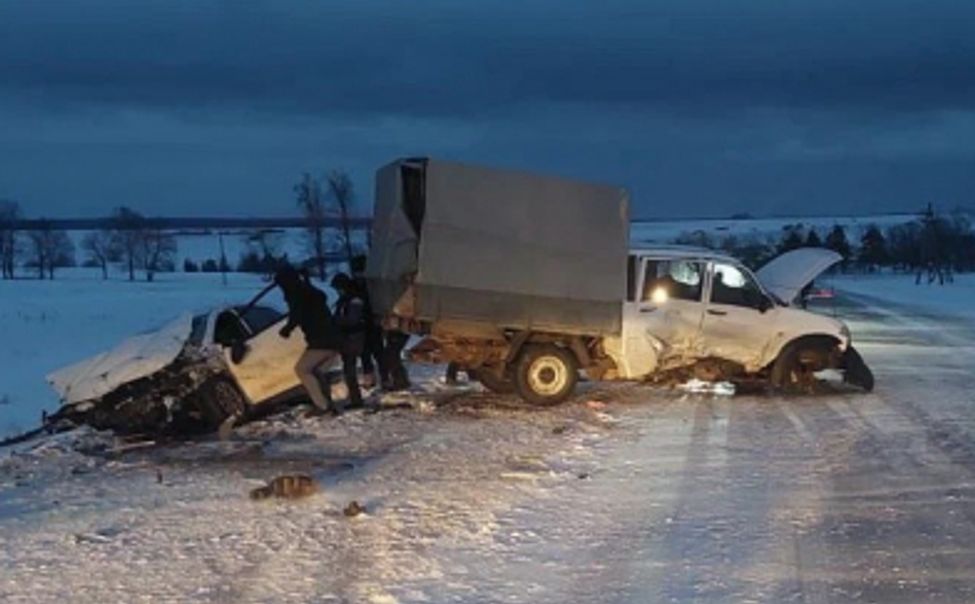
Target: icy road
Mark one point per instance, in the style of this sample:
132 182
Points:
627 494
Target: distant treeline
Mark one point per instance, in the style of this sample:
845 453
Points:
932 245
180 223
144 245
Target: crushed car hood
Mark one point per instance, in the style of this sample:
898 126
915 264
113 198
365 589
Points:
134 358
786 275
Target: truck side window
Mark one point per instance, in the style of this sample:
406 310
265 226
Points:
733 286
678 279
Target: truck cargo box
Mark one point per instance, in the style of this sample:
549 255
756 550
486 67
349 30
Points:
506 248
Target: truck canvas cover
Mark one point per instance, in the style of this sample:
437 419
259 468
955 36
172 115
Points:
515 250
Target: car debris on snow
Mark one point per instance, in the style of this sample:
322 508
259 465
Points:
288 486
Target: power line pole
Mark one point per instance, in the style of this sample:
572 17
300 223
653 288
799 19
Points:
223 260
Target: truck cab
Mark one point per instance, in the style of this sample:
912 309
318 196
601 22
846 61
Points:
684 305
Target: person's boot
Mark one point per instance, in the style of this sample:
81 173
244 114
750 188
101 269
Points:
401 379
368 380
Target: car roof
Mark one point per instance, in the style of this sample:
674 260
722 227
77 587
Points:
682 251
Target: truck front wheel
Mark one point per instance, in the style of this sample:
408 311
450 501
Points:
546 374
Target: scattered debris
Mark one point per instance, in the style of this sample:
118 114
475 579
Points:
90 538
353 509
701 387
289 486
596 404
559 429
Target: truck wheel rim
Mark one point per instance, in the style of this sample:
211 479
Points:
547 376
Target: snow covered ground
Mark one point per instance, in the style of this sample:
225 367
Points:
625 494
952 299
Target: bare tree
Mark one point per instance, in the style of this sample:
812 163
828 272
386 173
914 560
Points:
158 251
51 248
101 249
264 252
312 204
9 215
128 229
340 190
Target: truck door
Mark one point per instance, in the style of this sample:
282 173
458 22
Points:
663 317
736 324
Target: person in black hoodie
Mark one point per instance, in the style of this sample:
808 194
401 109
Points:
308 309
372 353
351 318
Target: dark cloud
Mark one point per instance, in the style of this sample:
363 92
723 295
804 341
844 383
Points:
702 105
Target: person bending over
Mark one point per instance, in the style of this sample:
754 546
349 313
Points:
308 309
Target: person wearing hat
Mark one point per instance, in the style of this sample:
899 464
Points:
308 309
350 316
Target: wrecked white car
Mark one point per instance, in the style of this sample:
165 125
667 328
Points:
192 375
529 280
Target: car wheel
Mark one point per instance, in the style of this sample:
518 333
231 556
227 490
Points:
789 375
857 372
546 374
490 379
220 399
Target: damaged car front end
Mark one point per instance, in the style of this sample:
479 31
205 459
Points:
179 379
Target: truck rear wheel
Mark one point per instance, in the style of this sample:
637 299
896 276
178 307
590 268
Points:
546 374
489 378
794 371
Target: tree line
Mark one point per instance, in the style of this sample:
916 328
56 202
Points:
932 246
129 240
136 244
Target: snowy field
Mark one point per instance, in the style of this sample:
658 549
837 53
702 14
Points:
955 299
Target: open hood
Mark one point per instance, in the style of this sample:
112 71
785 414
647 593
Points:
786 275
132 359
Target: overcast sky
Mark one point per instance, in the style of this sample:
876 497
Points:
700 108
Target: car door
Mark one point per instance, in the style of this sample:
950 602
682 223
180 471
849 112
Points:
268 366
666 311
737 326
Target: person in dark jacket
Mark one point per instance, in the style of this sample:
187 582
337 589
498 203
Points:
372 354
351 319
308 309
398 376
